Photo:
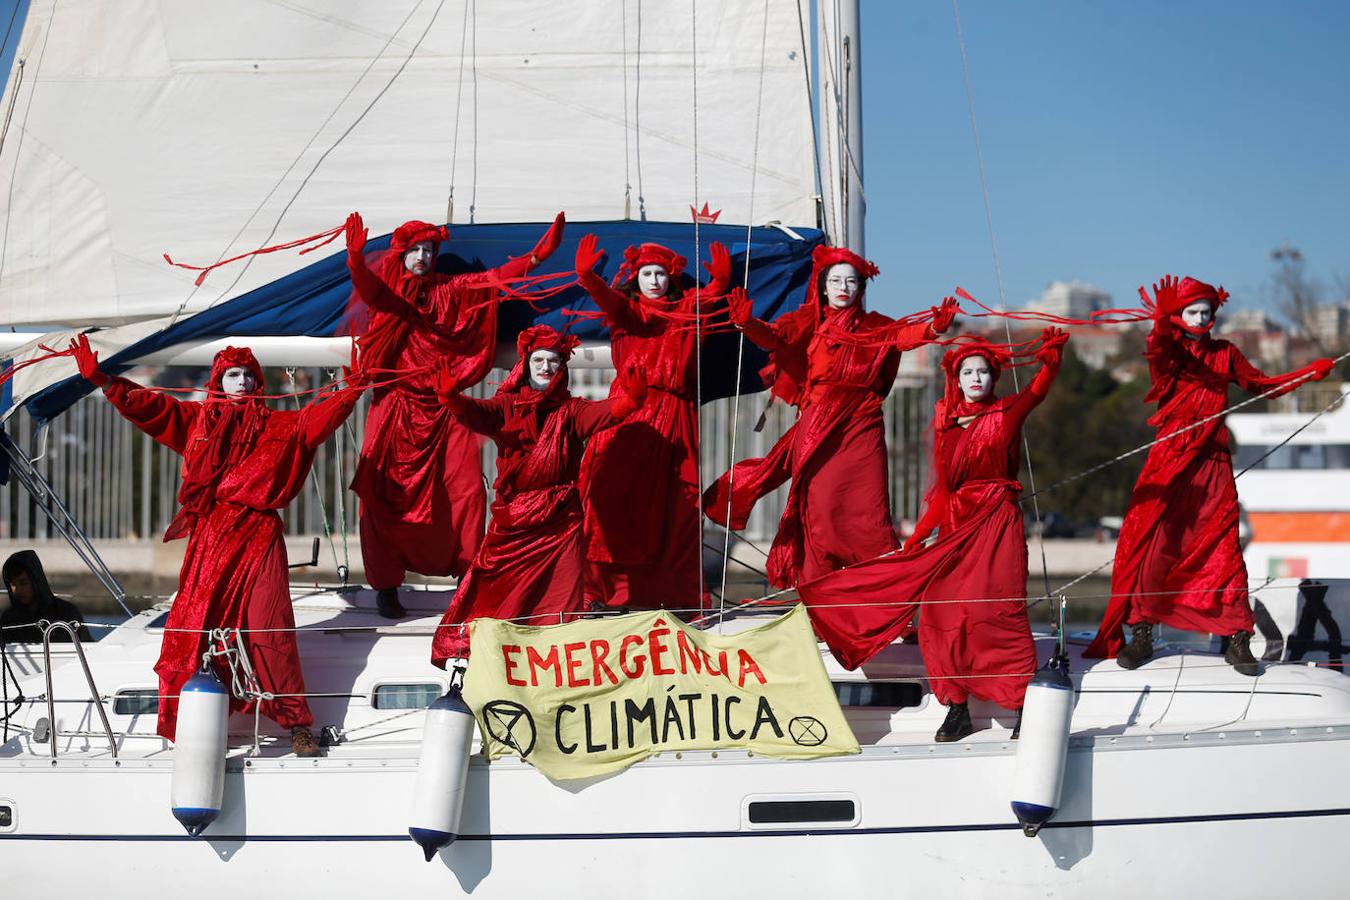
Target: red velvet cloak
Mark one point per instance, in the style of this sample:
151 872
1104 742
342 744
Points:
838 510
1178 561
532 561
639 481
980 554
420 474
241 462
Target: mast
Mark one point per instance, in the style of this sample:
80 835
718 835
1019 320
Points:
839 83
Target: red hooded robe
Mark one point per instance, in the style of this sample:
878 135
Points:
640 481
420 474
980 555
532 562
838 510
241 463
1178 560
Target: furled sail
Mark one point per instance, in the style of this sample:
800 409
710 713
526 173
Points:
208 129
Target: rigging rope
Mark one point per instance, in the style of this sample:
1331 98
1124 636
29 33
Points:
998 275
698 306
459 99
745 284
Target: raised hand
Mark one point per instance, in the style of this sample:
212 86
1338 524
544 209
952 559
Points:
1322 368
945 314
1165 293
1052 344
356 234
545 246
719 266
738 306
87 361
589 254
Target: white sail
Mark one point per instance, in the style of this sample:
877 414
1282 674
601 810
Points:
208 129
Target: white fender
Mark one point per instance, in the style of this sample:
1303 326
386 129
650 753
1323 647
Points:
442 771
199 752
1043 746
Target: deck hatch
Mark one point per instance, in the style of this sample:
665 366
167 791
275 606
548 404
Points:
882 694
405 696
136 702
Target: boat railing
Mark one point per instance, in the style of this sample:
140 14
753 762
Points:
96 698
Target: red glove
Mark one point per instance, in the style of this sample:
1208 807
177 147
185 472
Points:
1322 368
549 242
352 373
719 268
738 306
356 236
1164 295
87 360
944 315
447 387
589 254
635 385
1052 345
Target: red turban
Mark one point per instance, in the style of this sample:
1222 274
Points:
996 356
541 337
1191 291
823 257
414 232
634 258
544 337
234 357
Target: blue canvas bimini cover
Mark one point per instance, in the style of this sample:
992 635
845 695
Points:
313 301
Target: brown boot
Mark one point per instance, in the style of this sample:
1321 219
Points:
1239 654
303 743
1140 648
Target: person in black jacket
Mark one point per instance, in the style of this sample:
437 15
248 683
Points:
31 601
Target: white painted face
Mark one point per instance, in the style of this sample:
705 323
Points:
841 285
237 380
653 281
543 365
1198 314
976 378
420 258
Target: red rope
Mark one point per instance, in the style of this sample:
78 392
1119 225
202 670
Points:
321 239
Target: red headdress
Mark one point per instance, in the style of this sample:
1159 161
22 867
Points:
1191 290
634 258
823 257
230 358
392 270
540 337
953 402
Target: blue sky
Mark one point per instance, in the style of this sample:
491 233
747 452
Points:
1122 140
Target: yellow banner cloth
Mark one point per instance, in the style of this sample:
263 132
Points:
595 696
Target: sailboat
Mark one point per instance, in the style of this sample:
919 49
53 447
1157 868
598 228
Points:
208 129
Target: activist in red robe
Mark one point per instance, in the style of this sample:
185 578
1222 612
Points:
241 463
640 481
420 476
979 555
837 361
1178 561
531 564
